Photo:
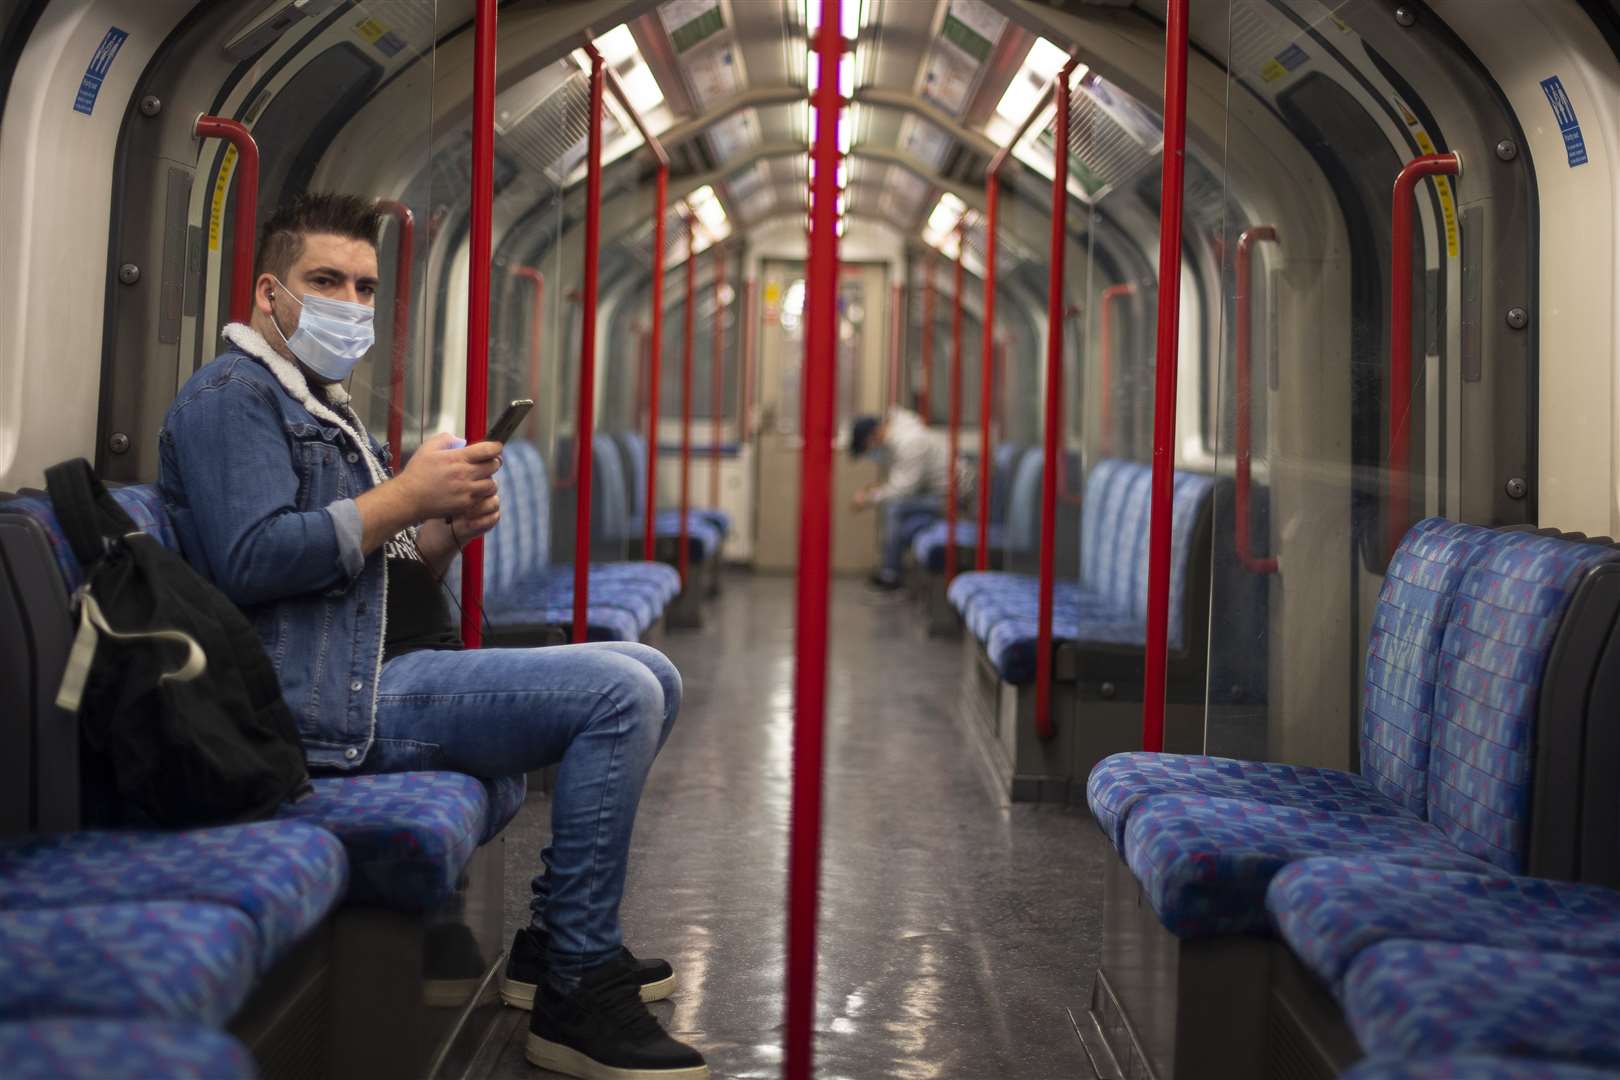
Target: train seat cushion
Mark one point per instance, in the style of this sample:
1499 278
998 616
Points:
285 876
1121 781
1013 642
1413 997
409 835
142 502
168 960
1470 1067
1403 654
704 538
506 796
1019 599
521 605
928 546
662 580
1497 642
73 1048
1329 911
1204 862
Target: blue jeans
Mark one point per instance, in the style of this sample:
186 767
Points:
904 516
601 711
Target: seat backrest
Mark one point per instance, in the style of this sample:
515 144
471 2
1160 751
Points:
519 548
633 449
610 512
1403 655
1024 503
142 502
1004 461
1498 637
1114 520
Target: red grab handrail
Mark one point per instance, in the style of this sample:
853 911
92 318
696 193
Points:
925 392
1171 190
1250 237
955 417
480 237
815 528
585 426
1397 504
1105 346
537 281
1055 310
686 402
247 208
655 362
402 322
717 376
987 375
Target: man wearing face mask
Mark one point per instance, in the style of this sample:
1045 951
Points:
286 503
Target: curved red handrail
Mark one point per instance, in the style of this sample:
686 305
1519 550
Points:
1397 504
1055 309
1105 347
655 361
954 419
1171 192
247 207
585 426
402 322
1247 241
480 237
987 379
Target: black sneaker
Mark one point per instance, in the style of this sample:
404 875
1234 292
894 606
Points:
603 1031
526 967
883 579
454 966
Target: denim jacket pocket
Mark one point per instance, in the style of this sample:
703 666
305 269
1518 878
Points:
323 476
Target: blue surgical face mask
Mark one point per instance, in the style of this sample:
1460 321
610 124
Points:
332 335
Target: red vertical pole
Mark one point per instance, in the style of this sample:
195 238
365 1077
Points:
745 394
1245 392
655 362
686 403
1164 390
717 376
402 324
247 208
585 426
1105 346
1055 309
815 521
987 380
1398 505
955 419
479 239
924 405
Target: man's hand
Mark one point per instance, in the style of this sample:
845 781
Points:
863 497
477 522
440 482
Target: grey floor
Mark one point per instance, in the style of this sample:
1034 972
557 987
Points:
958 934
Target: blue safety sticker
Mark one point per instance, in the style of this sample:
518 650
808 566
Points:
100 64
1564 112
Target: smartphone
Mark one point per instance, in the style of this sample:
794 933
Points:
504 428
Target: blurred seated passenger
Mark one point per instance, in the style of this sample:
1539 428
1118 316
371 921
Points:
284 501
915 485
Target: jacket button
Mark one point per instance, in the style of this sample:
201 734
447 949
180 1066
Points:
352 456
351 753
356 685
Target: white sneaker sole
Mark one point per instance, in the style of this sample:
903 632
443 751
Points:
570 1062
520 995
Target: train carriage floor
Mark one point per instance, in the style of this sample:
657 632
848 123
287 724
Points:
958 933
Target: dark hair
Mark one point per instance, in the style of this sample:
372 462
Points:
860 434
281 239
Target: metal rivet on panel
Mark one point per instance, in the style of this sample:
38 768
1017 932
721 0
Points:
151 105
1108 691
129 273
1516 488
1507 149
1518 318
118 443
1405 16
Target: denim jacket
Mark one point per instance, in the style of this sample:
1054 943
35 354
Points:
261 487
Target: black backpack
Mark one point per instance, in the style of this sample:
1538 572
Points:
179 710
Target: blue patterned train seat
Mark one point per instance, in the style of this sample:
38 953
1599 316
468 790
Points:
928 546
1107 604
408 835
1331 910
1409 998
706 527
1464 625
165 960
1471 1067
284 876
66 1048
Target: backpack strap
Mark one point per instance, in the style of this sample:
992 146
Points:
83 654
89 516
